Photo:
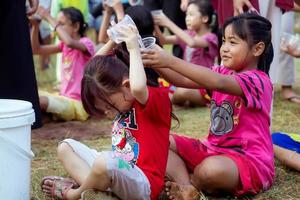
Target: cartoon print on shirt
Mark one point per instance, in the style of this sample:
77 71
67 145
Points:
221 118
124 145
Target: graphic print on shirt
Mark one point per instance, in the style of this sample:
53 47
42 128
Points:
221 118
124 144
67 63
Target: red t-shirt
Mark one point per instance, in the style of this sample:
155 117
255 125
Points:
141 137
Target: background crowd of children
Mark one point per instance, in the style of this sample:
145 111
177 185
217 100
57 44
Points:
224 64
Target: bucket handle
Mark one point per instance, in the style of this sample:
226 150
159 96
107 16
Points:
29 155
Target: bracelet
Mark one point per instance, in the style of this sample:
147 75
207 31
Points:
57 25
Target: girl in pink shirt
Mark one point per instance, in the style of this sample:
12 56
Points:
76 51
199 43
237 155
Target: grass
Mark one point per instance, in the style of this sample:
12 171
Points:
193 122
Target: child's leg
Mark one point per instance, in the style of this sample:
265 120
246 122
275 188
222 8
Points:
183 95
44 103
73 163
98 178
215 174
287 157
176 168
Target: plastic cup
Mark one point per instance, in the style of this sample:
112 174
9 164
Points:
148 43
111 32
290 40
156 12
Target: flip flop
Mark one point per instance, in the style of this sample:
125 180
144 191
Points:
60 186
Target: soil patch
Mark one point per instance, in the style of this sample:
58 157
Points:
90 129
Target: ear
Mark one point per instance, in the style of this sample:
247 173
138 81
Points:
126 90
126 83
205 19
76 27
258 49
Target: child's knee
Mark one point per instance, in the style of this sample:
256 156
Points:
62 150
99 166
207 174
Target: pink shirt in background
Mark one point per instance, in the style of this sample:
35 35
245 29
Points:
73 61
243 125
201 56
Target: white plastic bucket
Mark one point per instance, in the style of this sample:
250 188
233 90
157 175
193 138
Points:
16 117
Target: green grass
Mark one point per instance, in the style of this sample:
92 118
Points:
193 122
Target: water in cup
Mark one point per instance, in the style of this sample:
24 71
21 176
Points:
148 43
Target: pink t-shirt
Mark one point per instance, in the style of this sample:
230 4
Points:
243 125
73 61
201 56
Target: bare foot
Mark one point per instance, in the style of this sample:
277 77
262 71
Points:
181 192
287 93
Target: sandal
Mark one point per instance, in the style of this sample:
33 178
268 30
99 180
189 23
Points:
59 187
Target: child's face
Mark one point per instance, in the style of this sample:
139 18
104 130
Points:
120 102
66 23
235 52
193 18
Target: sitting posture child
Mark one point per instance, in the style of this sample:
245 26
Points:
136 166
237 156
199 42
76 51
287 148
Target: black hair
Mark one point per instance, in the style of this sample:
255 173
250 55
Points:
206 9
75 16
144 22
142 18
254 28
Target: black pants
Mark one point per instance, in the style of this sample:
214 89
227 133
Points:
17 75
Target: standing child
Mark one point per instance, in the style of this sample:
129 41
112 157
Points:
76 51
199 42
136 166
237 156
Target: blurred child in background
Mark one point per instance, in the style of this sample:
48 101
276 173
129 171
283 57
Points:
76 51
199 42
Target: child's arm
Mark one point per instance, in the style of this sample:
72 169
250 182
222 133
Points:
137 75
203 76
164 39
63 35
35 42
107 13
106 48
192 42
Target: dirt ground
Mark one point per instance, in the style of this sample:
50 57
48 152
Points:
90 129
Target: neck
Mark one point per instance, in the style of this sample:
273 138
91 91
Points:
76 36
203 30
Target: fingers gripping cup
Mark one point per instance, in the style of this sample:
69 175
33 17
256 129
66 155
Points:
288 39
112 33
148 43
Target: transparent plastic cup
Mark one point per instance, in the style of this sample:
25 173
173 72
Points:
111 32
156 12
148 42
290 40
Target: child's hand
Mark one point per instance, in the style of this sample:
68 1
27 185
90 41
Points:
33 7
156 58
128 34
44 13
161 19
